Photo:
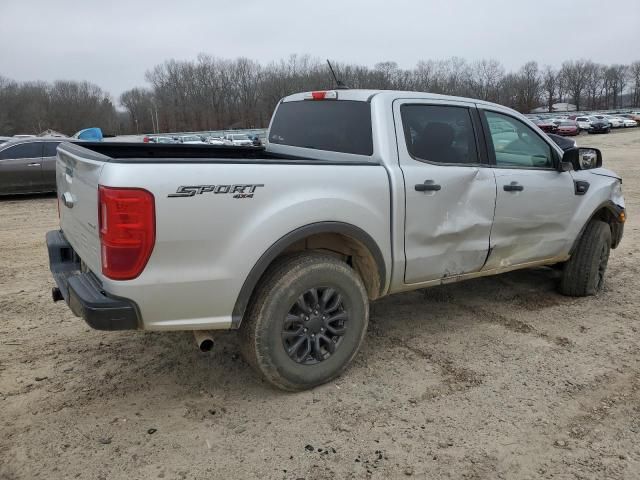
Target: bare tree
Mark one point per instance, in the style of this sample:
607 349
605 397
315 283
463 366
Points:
574 74
550 84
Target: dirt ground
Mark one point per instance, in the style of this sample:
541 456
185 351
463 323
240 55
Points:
496 378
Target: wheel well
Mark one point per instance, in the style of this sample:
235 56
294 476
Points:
351 250
606 214
351 243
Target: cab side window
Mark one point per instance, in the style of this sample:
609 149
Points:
439 134
516 145
24 150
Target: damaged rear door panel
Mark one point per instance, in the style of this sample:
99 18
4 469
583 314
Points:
450 194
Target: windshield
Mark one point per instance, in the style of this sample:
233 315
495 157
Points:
333 125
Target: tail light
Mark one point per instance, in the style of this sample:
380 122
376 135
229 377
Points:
126 217
321 95
145 139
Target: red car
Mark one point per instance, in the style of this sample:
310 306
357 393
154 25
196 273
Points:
568 128
546 126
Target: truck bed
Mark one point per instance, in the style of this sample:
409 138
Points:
122 152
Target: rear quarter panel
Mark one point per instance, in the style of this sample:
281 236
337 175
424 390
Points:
207 244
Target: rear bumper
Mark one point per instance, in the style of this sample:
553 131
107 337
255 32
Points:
82 290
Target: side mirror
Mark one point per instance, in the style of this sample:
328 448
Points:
581 158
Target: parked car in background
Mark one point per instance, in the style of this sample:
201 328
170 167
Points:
568 128
563 142
28 165
628 123
631 116
191 140
599 125
583 123
238 139
215 141
546 126
161 140
613 121
4 140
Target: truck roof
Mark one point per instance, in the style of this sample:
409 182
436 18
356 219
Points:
363 95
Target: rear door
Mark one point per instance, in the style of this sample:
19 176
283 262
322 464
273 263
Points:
450 191
21 168
535 202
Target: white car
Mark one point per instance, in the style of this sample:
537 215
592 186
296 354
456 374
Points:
215 141
238 139
627 122
614 122
583 123
191 140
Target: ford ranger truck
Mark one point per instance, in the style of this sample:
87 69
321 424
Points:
358 194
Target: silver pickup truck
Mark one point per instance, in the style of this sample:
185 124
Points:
358 194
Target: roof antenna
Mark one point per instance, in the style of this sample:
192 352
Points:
339 84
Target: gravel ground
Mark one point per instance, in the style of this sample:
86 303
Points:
493 378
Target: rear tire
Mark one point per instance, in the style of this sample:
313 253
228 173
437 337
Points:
290 334
584 272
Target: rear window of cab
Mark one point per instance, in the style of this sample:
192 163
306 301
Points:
334 125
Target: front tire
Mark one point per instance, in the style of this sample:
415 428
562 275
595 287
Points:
306 321
584 272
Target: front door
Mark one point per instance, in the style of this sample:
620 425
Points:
535 202
450 193
21 168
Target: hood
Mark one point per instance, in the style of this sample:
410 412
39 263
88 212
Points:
603 172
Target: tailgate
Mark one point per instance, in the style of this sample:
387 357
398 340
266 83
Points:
77 175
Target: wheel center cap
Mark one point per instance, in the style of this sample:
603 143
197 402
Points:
315 323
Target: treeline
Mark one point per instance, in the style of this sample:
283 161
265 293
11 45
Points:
63 106
213 93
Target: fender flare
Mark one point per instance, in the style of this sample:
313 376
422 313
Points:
289 239
616 236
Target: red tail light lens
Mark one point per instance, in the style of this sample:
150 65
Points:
126 217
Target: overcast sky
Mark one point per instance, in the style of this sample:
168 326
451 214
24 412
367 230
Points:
112 43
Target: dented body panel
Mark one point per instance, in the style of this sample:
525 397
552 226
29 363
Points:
534 223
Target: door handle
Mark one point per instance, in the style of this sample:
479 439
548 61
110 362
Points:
428 186
33 165
513 187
